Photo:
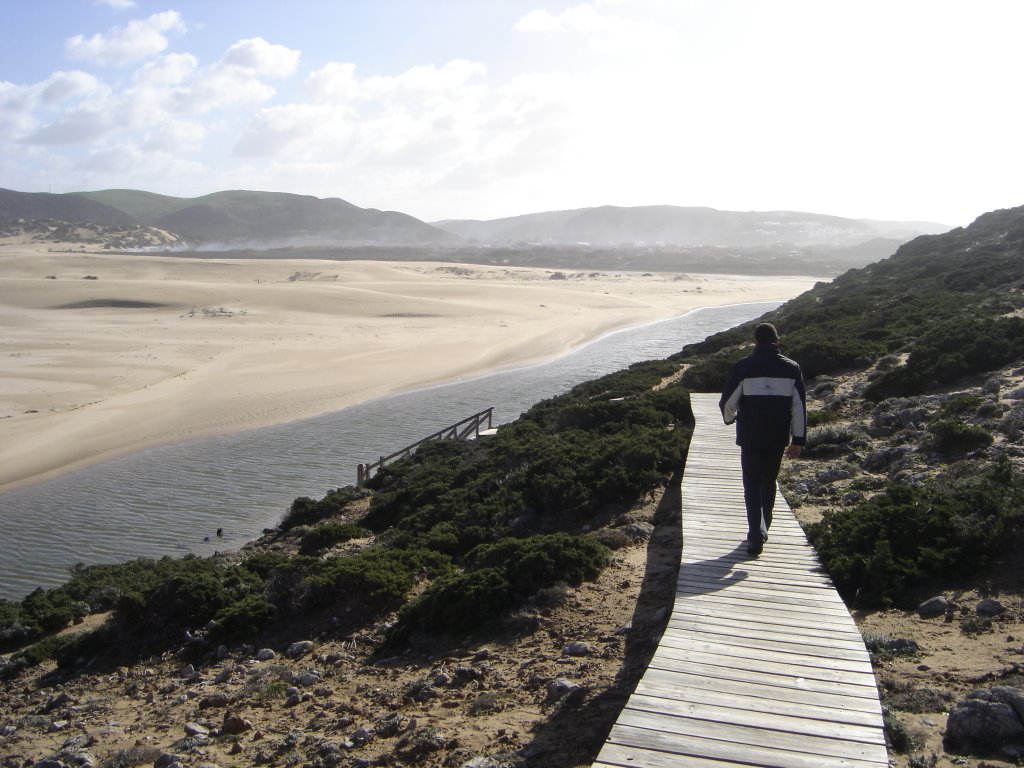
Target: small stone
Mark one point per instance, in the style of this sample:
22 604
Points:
299 648
559 688
989 607
214 700
195 729
265 654
577 648
234 725
167 759
936 606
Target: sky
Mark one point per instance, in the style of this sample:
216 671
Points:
904 110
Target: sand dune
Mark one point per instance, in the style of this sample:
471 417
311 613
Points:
103 354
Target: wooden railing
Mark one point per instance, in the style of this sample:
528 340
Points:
462 430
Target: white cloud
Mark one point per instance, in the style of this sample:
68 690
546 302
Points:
117 5
64 86
338 82
78 126
237 77
262 58
139 39
175 136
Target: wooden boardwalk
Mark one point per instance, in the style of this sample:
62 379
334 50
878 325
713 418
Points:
761 664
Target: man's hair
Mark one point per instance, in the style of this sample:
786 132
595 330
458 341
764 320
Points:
765 333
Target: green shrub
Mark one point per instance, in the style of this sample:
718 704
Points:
369 582
306 511
245 618
190 592
830 440
953 436
328 534
501 577
820 418
907 535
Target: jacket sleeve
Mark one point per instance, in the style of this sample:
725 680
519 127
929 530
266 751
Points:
730 400
798 425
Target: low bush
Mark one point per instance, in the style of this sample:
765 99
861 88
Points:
307 511
501 577
953 436
328 534
907 535
830 440
821 418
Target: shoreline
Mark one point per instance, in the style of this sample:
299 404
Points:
107 355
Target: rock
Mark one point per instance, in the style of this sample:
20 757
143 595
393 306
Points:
638 531
306 679
265 654
167 759
426 693
234 725
55 703
299 648
878 460
389 725
988 722
833 473
902 645
989 607
195 729
936 606
214 700
577 648
559 688
420 742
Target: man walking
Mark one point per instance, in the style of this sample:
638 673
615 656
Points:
765 397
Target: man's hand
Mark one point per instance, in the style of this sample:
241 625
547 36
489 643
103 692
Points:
793 451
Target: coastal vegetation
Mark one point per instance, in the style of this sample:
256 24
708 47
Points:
942 313
915 376
477 528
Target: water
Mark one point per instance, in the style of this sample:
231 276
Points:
171 500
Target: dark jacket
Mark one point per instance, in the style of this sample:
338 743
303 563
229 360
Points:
765 397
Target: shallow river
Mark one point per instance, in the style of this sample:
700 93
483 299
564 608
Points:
171 500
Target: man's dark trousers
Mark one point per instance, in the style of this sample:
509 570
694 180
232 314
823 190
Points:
760 471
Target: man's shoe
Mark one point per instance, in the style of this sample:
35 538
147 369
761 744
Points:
754 547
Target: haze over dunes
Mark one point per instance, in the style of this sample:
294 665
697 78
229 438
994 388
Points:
105 353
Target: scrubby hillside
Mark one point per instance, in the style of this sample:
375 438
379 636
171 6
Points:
492 603
912 487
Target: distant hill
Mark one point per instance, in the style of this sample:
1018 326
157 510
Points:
657 238
689 227
234 218
941 307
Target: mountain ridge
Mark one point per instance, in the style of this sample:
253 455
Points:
253 219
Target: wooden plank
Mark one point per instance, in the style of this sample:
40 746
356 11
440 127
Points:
761 663
683 681
825 711
692 745
753 735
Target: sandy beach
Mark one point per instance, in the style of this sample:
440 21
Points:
103 354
